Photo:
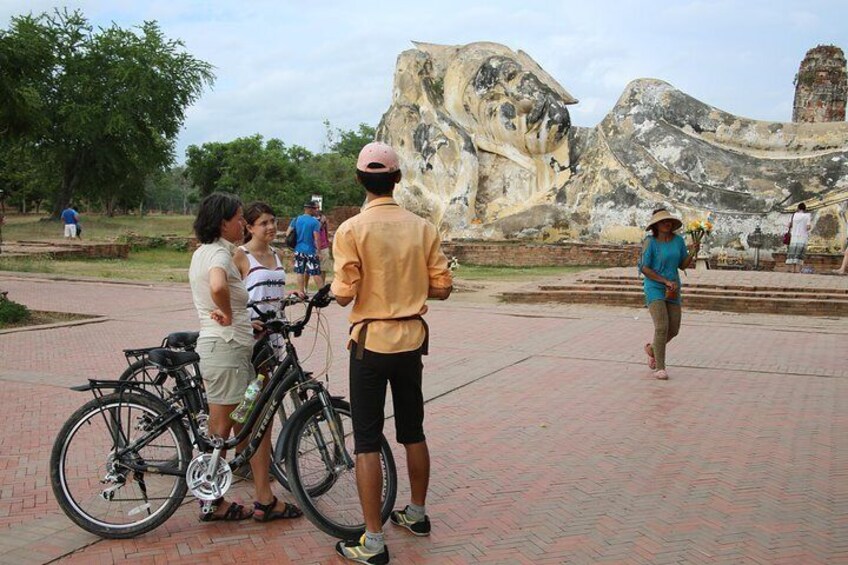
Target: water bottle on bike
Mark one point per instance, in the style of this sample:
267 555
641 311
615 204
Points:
250 395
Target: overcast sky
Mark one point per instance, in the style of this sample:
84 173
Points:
284 67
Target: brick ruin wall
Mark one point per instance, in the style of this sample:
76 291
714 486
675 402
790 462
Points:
499 253
821 87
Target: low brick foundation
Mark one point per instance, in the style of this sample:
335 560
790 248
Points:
820 262
64 250
515 254
746 293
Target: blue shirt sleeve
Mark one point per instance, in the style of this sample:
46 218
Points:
684 251
649 255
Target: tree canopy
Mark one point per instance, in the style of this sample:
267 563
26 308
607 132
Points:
284 176
91 113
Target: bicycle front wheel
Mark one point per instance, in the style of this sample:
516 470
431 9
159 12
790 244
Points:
97 488
290 403
321 480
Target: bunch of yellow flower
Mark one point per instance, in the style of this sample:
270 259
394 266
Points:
698 229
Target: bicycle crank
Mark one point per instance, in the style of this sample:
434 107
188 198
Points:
209 477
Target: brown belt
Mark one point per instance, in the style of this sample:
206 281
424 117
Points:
360 345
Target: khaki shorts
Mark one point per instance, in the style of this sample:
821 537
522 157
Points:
226 369
326 261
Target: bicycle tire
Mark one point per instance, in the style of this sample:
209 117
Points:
64 465
329 499
148 375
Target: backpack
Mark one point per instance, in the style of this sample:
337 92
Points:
291 237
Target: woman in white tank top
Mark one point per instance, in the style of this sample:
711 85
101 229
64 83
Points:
259 263
264 277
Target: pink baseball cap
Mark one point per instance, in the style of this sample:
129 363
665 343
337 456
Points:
377 157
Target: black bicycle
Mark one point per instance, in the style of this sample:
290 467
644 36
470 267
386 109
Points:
122 463
267 354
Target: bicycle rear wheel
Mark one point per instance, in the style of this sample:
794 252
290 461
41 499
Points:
324 486
149 376
96 488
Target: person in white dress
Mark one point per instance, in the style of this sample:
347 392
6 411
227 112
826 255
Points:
799 229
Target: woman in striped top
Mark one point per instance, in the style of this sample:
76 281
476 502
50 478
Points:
258 262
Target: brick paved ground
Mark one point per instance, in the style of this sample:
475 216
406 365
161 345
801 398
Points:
550 443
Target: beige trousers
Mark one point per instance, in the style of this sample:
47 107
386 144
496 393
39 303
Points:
666 318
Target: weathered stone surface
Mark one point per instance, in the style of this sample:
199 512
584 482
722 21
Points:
659 145
482 133
488 152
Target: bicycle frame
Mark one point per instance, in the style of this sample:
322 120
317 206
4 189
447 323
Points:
288 374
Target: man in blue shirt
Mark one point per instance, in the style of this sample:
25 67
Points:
70 217
306 260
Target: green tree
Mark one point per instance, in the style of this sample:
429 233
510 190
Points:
284 176
204 166
169 191
22 180
255 170
337 173
108 103
25 61
348 143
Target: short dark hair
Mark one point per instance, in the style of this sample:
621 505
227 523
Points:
380 184
252 212
213 210
802 207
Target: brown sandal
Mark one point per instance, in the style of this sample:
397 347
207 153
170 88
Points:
652 361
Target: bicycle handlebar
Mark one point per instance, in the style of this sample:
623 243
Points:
320 299
265 316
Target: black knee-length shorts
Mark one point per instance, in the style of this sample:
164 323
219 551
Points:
368 379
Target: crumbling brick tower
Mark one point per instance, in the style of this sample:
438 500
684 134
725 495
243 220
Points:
820 86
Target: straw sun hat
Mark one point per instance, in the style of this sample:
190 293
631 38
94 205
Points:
663 214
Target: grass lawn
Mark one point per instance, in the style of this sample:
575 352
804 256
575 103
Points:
165 265
38 318
96 227
517 274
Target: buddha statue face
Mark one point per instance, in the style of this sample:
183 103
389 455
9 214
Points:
515 106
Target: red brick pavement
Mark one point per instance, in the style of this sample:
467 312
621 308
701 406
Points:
550 444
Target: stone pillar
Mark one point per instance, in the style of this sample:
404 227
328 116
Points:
820 86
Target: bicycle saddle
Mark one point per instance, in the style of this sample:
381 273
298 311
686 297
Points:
182 340
167 359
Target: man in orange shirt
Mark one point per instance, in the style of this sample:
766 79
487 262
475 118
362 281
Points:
388 262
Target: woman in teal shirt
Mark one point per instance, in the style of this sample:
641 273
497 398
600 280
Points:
663 253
